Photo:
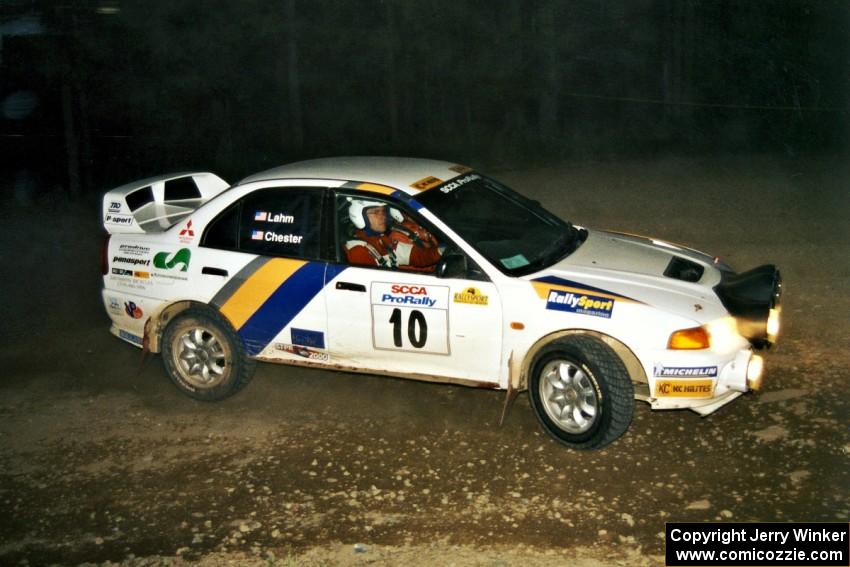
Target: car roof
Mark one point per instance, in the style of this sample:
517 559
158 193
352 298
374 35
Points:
410 175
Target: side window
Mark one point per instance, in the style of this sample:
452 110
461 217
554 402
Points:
223 231
373 232
281 222
271 222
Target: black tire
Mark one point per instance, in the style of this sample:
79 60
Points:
581 392
204 357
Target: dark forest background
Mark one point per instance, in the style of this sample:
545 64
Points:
100 92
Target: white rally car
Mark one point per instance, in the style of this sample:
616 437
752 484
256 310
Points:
215 277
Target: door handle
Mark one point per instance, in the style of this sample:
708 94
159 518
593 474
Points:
214 271
351 286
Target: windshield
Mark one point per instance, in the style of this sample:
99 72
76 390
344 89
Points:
514 233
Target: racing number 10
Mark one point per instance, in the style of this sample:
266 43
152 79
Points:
417 328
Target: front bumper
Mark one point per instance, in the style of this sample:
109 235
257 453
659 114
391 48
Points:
702 382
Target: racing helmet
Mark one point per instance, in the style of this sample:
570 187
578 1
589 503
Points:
357 211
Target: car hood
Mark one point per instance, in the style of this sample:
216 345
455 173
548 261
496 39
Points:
666 276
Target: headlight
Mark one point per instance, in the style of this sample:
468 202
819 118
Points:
724 334
755 369
773 325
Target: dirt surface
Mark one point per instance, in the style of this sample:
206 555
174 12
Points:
103 460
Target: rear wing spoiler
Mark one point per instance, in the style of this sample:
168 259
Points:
158 203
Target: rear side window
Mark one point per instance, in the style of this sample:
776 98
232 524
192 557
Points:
272 222
139 197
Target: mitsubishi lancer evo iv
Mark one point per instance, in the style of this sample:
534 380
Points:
428 270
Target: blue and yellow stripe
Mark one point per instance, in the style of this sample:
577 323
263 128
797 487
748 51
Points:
269 293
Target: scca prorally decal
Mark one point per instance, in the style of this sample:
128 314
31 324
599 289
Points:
685 371
582 304
452 185
181 258
408 295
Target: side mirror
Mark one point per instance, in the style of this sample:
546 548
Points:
452 265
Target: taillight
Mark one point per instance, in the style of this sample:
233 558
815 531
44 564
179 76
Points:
104 256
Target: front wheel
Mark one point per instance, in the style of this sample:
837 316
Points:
581 392
204 357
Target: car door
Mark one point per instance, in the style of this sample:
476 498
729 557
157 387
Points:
263 254
411 322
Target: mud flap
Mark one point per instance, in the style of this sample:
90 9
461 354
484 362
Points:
510 396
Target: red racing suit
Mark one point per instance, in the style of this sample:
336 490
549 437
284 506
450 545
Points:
405 246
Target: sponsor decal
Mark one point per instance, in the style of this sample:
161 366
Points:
303 352
685 371
265 216
113 218
114 305
451 186
187 234
408 295
133 250
684 388
187 231
121 272
471 295
142 275
461 169
181 258
131 261
133 310
135 339
546 284
582 304
115 206
305 337
410 317
426 183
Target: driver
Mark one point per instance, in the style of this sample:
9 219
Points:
385 237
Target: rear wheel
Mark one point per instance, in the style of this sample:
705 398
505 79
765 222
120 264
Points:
581 392
204 357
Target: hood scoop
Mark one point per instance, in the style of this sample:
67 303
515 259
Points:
684 270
